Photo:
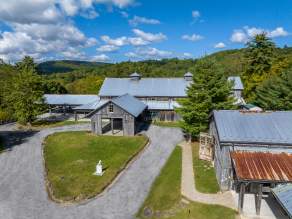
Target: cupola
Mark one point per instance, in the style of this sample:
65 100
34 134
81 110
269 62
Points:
188 76
135 76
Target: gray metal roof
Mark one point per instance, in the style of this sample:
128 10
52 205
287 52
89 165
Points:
283 194
145 87
237 82
151 105
127 102
161 105
253 127
91 106
69 99
131 104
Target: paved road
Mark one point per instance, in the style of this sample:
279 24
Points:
22 189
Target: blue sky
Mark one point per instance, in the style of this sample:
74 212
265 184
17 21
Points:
119 30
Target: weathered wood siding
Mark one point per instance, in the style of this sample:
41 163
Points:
222 161
104 113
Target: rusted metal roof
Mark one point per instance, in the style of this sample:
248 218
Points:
262 166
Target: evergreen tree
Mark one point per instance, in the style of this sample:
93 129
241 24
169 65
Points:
25 95
209 91
276 92
259 56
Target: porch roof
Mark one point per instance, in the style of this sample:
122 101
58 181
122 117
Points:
262 166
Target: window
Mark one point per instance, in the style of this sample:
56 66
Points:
111 108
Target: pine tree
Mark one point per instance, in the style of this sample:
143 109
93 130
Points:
209 91
25 95
259 56
276 92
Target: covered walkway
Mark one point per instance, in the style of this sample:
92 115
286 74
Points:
258 172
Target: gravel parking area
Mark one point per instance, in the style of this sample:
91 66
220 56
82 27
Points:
22 186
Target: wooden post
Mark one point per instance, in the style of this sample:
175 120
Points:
112 125
241 197
259 198
75 116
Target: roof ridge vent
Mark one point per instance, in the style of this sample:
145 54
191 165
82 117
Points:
135 76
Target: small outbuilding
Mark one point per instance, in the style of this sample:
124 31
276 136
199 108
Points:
119 115
252 151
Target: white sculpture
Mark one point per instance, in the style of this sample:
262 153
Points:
98 171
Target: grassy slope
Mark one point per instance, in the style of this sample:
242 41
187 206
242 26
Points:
71 158
165 195
204 173
165 191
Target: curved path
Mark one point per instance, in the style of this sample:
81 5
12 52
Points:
22 186
188 188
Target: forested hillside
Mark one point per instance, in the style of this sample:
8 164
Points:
62 66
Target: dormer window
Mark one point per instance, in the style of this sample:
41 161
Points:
111 108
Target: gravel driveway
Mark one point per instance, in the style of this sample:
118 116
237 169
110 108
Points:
22 187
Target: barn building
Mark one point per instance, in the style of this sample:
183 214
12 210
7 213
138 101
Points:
160 95
117 115
252 151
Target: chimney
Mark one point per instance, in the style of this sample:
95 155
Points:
135 76
188 76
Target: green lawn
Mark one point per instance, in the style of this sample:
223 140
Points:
71 157
50 124
205 177
166 124
164 199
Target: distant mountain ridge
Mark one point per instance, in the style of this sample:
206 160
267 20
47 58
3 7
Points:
64 66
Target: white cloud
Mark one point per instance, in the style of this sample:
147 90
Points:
242 35
124 14
121 41
150 37
143 20
238 36
42 28
187 55
100 58
28 11
194 37
42 39
90 14
142 39
118 3
278 32
107 48
137 41
196 14
70 7
219 45
73 53
148 53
